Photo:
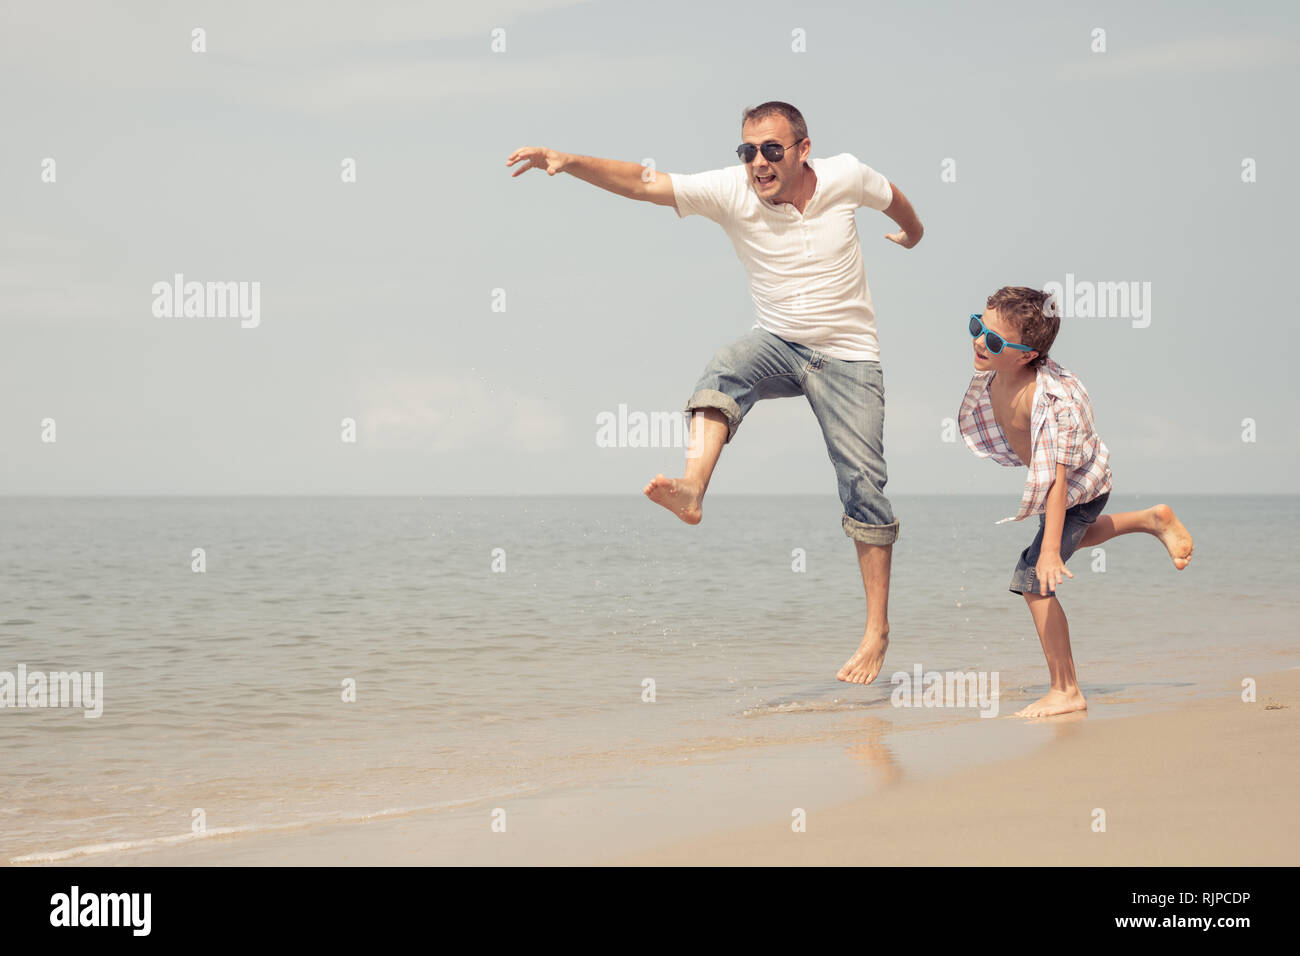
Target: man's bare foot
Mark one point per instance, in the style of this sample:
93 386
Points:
1172 535
679 496
865 664
1055 702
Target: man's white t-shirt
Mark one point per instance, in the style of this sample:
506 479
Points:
805 269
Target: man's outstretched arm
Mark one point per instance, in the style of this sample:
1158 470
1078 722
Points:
901 211
631 180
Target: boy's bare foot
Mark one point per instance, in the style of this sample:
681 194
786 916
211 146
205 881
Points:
865 664
1055 702
1172 535
679 496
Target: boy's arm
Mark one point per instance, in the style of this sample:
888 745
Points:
901 211
631 180
1050 567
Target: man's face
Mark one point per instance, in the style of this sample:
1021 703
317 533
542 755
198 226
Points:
1008 358
775 182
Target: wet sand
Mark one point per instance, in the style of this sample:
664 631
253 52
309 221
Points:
1208 782
1212 783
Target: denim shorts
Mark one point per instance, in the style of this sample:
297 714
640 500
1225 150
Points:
1077 522
847 398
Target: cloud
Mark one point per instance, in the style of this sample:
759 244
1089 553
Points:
249 29
458 413
1185 55
44 276
306 57
430 81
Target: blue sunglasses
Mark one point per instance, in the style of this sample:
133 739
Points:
992 341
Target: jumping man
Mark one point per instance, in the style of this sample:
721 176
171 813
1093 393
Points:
791 220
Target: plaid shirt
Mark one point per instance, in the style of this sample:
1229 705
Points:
1060 432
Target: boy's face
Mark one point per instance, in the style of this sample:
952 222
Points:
1006 360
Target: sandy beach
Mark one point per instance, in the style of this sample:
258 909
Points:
1208 782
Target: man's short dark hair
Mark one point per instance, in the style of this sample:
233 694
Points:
776 108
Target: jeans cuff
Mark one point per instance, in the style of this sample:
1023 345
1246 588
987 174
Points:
870 533
712 398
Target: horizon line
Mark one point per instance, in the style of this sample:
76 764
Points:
613 494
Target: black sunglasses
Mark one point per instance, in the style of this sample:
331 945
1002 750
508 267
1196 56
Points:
772 152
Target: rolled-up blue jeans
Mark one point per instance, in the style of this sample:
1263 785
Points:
847 398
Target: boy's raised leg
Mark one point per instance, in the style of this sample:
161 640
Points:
684 496
1054 633
1158 520
866 663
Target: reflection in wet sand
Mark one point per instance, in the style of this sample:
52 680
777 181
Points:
872 750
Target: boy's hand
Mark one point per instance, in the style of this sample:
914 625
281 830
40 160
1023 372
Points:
1048 572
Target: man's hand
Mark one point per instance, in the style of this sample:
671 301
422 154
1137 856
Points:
902 238
1048 571
538 157
630 180
900 210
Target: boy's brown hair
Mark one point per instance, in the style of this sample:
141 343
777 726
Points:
1033 314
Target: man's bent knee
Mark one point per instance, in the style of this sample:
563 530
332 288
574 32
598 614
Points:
721 402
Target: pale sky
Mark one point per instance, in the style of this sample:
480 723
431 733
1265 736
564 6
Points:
1123 165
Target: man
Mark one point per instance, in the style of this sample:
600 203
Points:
791 220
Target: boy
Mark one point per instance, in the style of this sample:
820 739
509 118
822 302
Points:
1023 409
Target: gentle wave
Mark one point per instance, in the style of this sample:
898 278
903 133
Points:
810 707
95 849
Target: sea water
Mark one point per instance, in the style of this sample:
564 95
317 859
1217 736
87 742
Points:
276 663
